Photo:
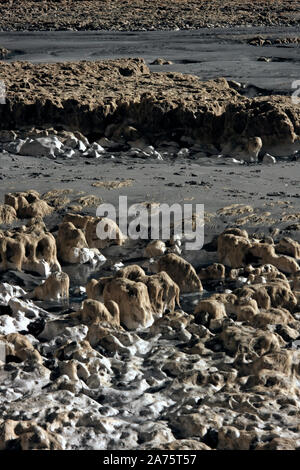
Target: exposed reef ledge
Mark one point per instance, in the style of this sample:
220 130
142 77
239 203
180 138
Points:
91 96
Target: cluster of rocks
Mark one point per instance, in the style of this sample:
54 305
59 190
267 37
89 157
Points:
124 102
143 15
65 144
39 143
152 357
263 41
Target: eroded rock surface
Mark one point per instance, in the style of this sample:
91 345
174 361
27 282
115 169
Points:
156 353
141 15
140 298
124 94
30 248
28 204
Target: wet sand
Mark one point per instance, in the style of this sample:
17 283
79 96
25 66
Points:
214 182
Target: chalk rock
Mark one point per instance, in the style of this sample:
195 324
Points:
81 146
25 308
9 324
288 246
79 221
207 310
275 294
162 291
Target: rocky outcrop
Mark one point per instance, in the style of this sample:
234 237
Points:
270 294
125 92
29 248
182 272
82 232
289 247
28 204
18 347
163 292
236 249
140 298
73 247
215 271
110 233
208 310
19 435
259 304
127 368
133 301
56 287
70 243
94 312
